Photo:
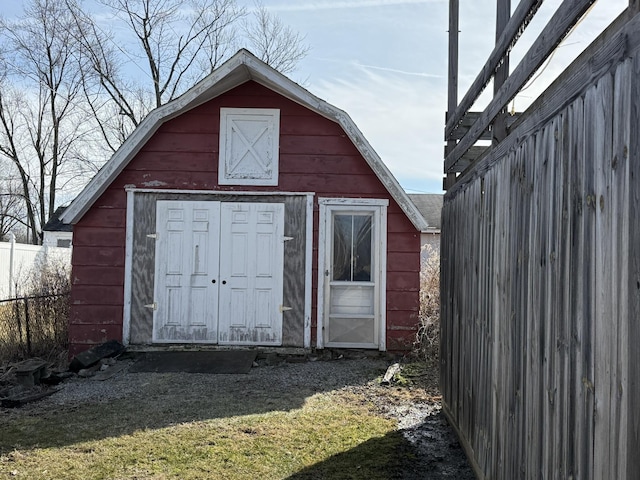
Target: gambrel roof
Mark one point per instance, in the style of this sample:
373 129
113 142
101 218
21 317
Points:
240 68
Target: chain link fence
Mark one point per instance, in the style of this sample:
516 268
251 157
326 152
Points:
34 326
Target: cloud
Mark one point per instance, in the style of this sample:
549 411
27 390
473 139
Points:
344 4
397 114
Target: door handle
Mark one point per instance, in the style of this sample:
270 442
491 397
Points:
224 282
213 281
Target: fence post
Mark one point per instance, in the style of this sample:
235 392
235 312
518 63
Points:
16 309
26 324
12 241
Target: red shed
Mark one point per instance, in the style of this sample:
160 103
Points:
246 212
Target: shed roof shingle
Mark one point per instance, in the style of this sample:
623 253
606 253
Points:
430 206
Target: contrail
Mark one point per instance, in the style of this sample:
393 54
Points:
403 72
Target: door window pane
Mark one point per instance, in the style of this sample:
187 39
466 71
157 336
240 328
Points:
351 299
352 248
352 330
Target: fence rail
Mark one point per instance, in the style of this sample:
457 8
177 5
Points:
33 326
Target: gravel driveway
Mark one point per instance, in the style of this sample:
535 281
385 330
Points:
435 448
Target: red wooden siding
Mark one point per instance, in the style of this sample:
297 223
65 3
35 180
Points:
315 156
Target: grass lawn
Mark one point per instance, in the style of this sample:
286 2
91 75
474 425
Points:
162 435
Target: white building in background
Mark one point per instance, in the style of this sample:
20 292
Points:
430 206
57 234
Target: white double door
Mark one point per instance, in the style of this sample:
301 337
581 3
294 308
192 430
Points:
218 272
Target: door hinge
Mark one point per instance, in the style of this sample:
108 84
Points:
152 235
153 306
286 239
283 309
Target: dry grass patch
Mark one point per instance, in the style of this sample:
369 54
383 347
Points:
427 345
331 434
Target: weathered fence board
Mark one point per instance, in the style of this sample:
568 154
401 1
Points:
620 190
632 243
541 286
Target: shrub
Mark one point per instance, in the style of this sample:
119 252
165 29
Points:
427 345
35 324
49 276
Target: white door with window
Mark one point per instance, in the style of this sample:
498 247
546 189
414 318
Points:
218 272
352 273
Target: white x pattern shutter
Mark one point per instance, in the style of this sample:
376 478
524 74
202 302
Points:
249 144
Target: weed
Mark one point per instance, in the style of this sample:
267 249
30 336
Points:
427 344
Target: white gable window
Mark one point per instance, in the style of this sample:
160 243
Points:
249 144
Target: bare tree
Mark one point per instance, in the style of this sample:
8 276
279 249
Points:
68 97
41 123
171 45
274 42
11 211
11 144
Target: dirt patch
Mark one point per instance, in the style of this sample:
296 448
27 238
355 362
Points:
431 449
417 407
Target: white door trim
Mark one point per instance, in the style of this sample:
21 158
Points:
308 271
226 193
379 208
128 266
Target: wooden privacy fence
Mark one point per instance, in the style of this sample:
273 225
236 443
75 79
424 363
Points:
540 320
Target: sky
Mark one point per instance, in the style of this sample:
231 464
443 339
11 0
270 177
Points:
384 62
